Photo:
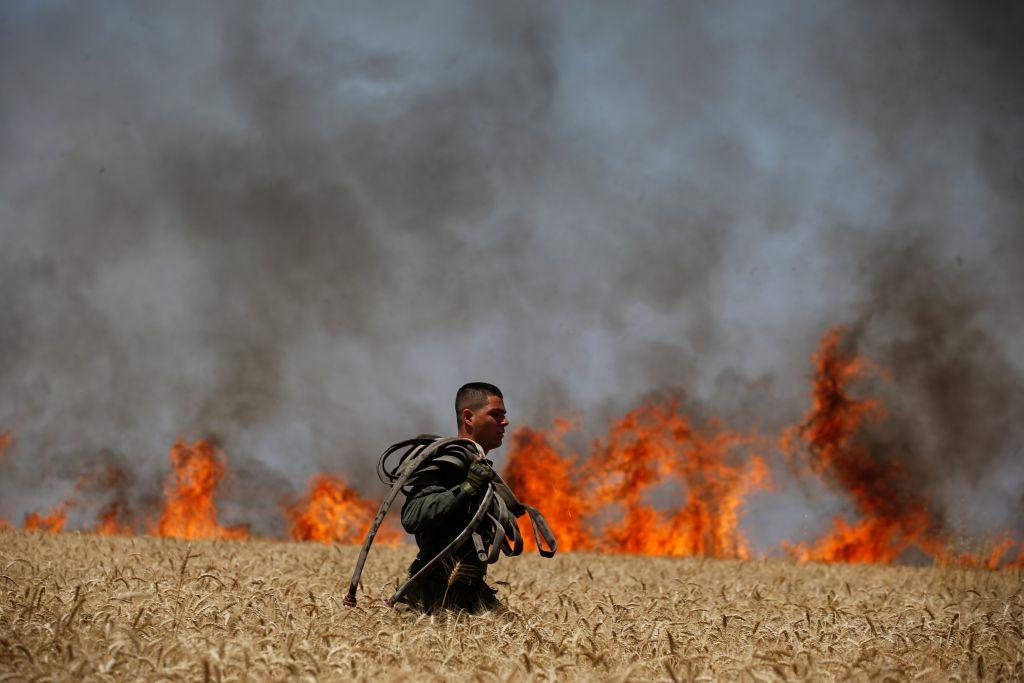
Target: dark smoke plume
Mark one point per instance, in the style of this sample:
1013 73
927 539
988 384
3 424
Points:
300 228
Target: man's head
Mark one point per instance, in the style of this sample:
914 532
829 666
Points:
480 408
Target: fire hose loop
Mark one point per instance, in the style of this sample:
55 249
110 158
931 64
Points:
425 456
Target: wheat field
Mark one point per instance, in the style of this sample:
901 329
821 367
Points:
78 606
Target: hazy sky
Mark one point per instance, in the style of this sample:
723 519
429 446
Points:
299 227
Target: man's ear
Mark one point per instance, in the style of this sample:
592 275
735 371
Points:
467 417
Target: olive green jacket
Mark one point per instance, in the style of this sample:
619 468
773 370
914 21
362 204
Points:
435 514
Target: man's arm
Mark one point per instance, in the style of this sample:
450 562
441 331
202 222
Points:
433 504
429 505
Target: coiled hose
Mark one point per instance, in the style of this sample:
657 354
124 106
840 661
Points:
409 462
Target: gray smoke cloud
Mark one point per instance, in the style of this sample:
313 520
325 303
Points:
300 228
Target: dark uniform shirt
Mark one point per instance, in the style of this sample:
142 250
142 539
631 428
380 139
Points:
435 513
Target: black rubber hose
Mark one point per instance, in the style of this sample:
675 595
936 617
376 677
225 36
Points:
407 470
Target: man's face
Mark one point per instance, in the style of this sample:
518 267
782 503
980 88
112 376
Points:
487 423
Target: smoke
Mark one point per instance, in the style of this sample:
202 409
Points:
951 389
300 229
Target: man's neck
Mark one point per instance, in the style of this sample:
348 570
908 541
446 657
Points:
464 435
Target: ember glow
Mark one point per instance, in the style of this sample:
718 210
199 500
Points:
331 512
655 483
189 510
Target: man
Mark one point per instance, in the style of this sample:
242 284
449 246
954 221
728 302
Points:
437 509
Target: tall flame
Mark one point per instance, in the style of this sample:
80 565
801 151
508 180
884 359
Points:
542 477
331 512
651 451
189 510
653 484
893 517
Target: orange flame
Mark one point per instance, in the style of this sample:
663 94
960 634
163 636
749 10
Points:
111 478
1017 562
650 446
53 522
189 511
653 484
893 516
543 478
655 443
872 540
987 559
113 518
110 522
331 512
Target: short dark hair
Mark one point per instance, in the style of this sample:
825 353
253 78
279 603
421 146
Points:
473 395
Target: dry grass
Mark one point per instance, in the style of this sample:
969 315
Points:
82 606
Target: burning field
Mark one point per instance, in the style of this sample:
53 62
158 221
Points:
656 483
747 274
116 608
656 578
